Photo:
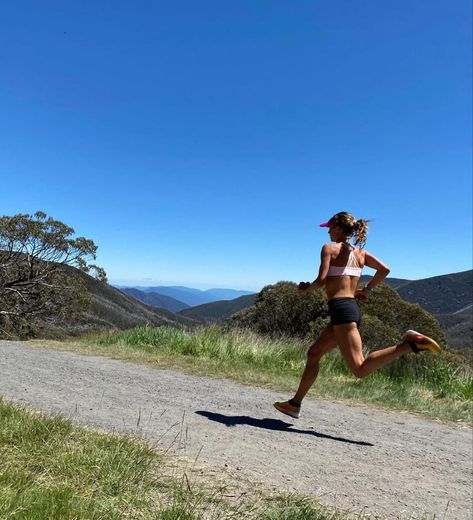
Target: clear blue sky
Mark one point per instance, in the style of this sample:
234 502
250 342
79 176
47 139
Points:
201 143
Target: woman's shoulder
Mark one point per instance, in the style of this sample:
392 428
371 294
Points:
329 247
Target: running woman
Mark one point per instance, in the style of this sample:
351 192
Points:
340 270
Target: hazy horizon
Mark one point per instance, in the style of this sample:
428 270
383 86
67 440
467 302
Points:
205 287
190 285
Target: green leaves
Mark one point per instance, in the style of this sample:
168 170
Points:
386 317
35 254
282 309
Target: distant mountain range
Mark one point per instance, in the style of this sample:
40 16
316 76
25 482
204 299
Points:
156 300
219 311
186 296
446 294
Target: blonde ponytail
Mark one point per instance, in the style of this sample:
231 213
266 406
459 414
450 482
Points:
360 232
352 227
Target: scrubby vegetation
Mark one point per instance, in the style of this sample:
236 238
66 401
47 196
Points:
282 309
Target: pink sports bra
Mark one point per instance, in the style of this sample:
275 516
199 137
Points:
352 267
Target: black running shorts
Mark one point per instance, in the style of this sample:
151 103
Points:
344 310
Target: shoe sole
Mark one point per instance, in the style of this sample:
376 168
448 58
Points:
429 343
294 415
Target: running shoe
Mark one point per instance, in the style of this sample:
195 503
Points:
419 341
288 409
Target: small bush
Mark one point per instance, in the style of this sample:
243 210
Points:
282 310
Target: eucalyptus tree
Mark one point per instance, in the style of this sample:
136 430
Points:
38 281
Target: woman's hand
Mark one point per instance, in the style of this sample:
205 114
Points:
361 295
304 286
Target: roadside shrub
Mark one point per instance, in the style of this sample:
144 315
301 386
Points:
282 310
398 315
377 333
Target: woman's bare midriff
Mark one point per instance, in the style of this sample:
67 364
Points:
341 286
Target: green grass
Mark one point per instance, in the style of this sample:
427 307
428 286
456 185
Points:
52 469
436 386
289 507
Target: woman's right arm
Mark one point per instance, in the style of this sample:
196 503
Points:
319 282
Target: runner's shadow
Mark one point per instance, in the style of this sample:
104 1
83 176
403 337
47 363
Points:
271 424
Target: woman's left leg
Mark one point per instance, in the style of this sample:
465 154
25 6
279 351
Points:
351 347
324 343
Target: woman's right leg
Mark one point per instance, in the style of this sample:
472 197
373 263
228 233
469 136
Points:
325 342
350 344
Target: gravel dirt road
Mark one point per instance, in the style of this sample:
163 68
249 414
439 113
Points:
389 465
